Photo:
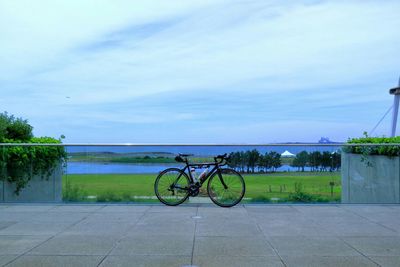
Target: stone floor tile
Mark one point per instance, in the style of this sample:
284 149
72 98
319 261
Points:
76 245
376 246
387 261
232 246
77 208
59 261
126 208
243 261
312 246
35 228
11 244
154 245
59 217
146 261
117 217
4 259
177 209
227 228
16 216
29 208
328 261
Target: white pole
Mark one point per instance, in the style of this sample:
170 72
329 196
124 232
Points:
395 112
396 92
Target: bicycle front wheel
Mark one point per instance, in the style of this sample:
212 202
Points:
172 186
226 187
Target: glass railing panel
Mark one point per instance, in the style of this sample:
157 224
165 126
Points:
273 174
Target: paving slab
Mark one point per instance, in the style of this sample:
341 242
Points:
34 228
361 228
146 261
16 244
328 261
16 216
77 208
163 228
226 228
154 245
243 261
116 217
59 261
76 245
387 261
58 217
4 259
232 246
4 225
376 246
292 227
29 208
99 228
312 246
201 235
126 208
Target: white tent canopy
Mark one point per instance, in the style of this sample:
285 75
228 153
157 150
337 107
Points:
287 154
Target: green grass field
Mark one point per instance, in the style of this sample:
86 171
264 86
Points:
138 187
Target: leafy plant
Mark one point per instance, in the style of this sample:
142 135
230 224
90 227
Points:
386 150
300 196
18 164
73 193
108 196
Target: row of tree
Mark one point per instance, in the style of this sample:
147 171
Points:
253 161
317 161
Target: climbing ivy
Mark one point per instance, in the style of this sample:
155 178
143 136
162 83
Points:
386 150
18 164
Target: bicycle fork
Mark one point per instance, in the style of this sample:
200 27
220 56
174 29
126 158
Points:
221 179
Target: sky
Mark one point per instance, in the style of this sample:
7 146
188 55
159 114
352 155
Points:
199 71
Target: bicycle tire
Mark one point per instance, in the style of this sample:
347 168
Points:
163 195
229 176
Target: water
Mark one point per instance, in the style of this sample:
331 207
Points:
197 150
169 151
119 168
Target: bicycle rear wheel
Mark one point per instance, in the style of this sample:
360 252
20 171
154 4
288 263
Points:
172 186
226 187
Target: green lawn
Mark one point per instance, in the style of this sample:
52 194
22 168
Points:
127 187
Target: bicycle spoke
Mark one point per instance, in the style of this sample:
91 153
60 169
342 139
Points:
227 190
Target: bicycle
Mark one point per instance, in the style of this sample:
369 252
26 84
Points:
226 187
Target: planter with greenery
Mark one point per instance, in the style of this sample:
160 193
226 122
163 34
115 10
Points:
28 172
371 174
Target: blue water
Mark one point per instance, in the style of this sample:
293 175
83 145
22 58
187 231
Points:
197 150
105 168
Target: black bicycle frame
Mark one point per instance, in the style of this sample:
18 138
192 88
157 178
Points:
216 168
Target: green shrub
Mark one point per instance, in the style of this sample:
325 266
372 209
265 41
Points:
73 193
300 196
260 199
108 196
12 128
386 150
18 164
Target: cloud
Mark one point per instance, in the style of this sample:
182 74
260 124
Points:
207 63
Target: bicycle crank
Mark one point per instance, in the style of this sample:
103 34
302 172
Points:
194 190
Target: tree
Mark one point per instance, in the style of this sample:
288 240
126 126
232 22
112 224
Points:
315 160
326 160
275 160
301 160
252 159
12 128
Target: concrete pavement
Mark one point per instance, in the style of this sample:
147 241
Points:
199 235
